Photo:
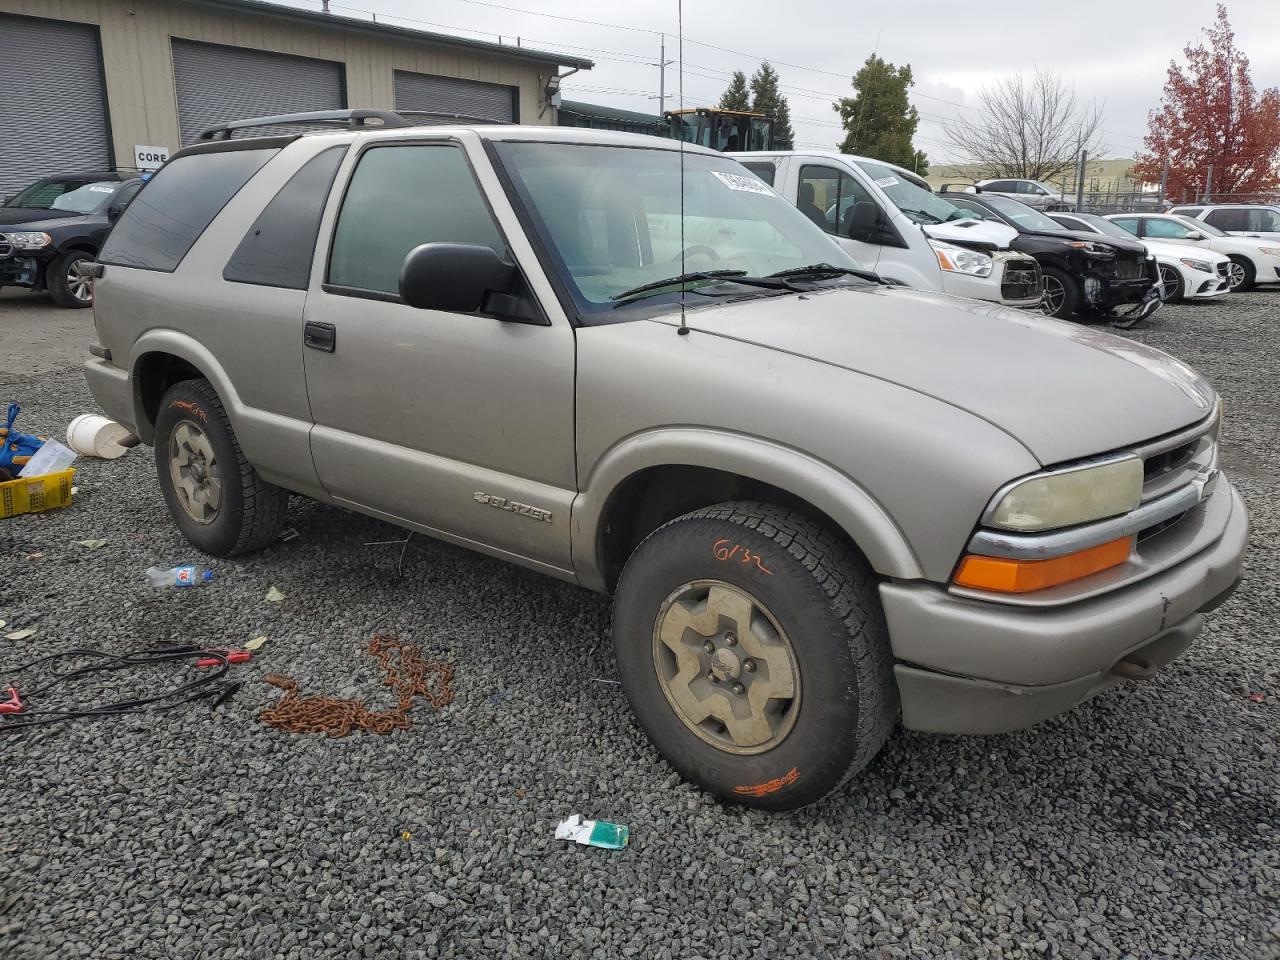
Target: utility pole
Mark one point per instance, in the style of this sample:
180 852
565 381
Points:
1164 183
1208 184
1084 158
662 65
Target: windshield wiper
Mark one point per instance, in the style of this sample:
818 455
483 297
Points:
827 269
727 276
920 213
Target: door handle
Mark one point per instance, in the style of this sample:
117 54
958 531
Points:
320 336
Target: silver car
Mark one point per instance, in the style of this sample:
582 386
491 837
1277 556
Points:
1033 193
824 505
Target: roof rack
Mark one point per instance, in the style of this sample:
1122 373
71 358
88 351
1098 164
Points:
354 119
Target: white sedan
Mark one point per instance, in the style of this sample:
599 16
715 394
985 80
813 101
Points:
1252 260
1184 274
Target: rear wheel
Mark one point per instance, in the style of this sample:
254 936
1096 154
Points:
1241 274
1172 280
754 652
1061 296
68 282
214 495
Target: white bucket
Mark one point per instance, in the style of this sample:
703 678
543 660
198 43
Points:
95 436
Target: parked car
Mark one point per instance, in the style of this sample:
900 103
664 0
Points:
53 229
890 222
1252 260
1261 220
1037 195
824 504
1082 272
1184 275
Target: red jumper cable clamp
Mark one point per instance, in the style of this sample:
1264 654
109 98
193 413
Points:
233 656
14 704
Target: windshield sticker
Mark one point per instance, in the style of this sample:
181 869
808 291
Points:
744 182
887 182
97 189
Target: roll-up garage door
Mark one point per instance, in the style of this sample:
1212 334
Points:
448 95
53 113
217 83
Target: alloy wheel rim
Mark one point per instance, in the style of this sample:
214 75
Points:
195 472
726 667
1053 296
1235 275
1169 278
78 280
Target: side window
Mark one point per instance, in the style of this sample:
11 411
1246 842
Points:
1166 229
1229 220
1188 211
278 249
124 196
828 197
180 201
765 171
400 197
1127 223
977 210
1001 186
1264 221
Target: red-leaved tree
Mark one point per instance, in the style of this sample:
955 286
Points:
1211 114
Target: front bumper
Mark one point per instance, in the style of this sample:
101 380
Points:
972 666
1014 282
19 270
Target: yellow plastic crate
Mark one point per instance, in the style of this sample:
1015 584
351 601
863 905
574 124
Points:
33 494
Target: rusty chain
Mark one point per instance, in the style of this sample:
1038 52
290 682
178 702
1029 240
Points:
409 679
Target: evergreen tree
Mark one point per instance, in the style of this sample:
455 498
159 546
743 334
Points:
766 99
879 121
737 96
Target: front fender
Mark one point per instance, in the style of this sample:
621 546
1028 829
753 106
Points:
856 512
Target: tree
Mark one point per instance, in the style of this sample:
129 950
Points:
766 99
880 122
1211 114
1032 128
737 97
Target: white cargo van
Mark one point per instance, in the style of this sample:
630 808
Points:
890 222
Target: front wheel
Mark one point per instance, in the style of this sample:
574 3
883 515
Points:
68 280
214 495
1241 274
754 652
1061 296
1172 281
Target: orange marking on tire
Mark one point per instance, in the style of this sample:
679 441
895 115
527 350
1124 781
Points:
769 786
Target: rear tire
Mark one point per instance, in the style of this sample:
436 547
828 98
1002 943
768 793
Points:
214 495
1242 274
68 286
1061 293
759 618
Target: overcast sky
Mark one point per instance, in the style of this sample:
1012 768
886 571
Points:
1114 52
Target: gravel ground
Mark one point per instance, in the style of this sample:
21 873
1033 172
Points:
1143 824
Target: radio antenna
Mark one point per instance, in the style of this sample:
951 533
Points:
684 327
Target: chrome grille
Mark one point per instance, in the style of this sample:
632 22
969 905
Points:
1224 269
1175 460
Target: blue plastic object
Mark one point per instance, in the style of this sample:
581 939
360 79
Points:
16 448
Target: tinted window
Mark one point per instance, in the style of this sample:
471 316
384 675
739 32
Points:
1229 219
1071 223
1128 224
828 197
167 218
979 211
765 171
1188 211
400 197
277 250
126 194
1001 186
1165 229
1267 221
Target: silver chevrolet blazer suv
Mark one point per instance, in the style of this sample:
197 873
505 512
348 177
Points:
823 504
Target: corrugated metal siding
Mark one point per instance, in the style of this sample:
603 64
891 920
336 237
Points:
53 111
217 83
449 95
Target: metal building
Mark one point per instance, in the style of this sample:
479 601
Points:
90 84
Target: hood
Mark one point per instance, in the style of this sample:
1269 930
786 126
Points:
1063 390
27 218
1130 246
984 234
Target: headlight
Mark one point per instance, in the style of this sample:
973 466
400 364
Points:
959 260
1068 497
29 241
1272 251
1201 265
1099 250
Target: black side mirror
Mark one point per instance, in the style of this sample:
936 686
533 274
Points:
457 277
866 223
113 213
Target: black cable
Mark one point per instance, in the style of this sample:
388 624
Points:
154 655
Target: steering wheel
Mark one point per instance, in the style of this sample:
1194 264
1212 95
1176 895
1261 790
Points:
694 251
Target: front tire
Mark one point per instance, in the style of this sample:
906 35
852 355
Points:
214 495
68 284
1172 281
1241 274
754 652
1061 296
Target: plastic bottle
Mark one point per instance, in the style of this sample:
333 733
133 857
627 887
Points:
187 575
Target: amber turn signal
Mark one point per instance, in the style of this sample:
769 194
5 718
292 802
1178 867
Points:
1001 575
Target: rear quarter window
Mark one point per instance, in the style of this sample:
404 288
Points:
168 216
